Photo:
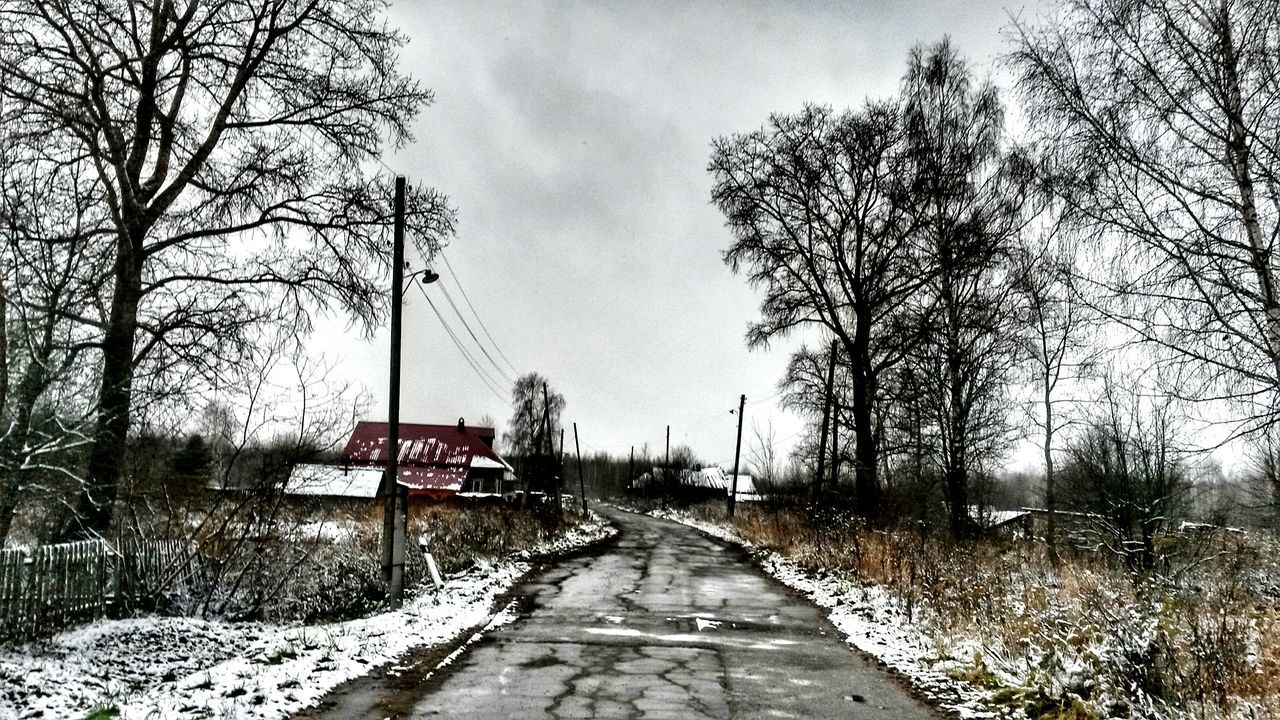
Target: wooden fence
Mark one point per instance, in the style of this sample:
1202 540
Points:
48 588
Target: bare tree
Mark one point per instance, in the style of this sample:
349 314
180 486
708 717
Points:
762 453
534 421
1128 471
487 420
1261 476
1167 115
817 203
1057 339
806 394
968 214
233 142
51 275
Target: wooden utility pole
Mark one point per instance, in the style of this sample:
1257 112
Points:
822 437
582 488
550 464
395 499
631 462
666 466
560 469
737 452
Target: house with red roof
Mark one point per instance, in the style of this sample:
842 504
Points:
434 462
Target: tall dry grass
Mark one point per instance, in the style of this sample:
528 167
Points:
1087 638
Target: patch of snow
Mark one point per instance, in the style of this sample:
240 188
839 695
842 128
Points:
707 624
164 667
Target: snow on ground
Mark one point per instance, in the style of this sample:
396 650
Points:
163 667
874 622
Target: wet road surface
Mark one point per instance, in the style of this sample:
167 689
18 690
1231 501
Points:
663 623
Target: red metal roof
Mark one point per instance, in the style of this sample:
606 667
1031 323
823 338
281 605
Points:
448 478
419 444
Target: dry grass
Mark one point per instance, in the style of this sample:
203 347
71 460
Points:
1086 638
301 573
463 534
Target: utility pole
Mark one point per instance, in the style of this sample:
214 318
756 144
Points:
395 501
737 452
560 468
631 462
582 488
822 437
551 464
666 468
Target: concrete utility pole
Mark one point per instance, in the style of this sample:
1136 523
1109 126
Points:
737 452
395 501
822 437
582 488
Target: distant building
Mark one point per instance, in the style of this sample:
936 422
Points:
435 461
709 482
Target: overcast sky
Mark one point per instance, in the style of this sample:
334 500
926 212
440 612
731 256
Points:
573 139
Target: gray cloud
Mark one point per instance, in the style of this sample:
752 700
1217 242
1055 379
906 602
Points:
573 138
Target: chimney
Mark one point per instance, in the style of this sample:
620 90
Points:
462 425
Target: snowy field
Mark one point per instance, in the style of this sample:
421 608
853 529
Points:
166 667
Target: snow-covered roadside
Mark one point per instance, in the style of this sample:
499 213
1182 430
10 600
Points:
875 623
187 668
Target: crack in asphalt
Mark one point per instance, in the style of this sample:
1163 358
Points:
662 622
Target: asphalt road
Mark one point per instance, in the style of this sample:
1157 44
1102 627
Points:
664 622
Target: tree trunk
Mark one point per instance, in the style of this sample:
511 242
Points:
4 353
958 502
826 417
93 507
32 383
866 484
1238 160
9 491
1050 496
955 472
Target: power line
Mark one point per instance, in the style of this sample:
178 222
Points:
470 332
476 314
307 135
488 382
766 399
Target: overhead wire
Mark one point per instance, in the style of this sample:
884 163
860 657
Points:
440 252
488 381
766 399
483 327
471 332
